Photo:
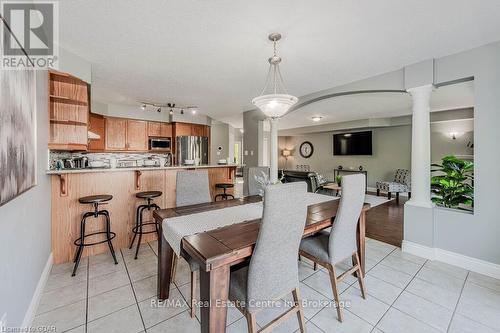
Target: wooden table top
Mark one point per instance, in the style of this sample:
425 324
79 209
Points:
332 186
218 247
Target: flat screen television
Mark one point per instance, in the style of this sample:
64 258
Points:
358 143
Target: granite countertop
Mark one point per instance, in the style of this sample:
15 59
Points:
92 170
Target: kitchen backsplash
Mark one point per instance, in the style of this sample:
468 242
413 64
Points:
128 159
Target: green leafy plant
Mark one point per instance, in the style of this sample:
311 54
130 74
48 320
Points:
338 180
453 186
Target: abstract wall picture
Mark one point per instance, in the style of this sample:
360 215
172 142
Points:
17 132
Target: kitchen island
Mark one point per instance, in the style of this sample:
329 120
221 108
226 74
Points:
69 185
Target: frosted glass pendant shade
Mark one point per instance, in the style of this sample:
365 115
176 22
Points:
274 105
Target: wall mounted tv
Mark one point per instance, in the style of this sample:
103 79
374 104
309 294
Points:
358 143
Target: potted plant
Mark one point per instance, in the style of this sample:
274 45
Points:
453 187
338 180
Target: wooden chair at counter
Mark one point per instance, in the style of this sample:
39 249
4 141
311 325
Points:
139 222
94 200
192 187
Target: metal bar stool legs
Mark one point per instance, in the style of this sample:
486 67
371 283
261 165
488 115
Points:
80 242
139 221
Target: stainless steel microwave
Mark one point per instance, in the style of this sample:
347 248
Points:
163 144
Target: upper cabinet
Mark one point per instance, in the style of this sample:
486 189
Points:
68 112
137 139
184 129
156 129
97 125
116 134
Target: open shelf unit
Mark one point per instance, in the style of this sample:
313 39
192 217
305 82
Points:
68 111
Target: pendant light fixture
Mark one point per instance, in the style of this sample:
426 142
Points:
274 100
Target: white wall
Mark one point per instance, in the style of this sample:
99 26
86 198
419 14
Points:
75 65
391 151
25 228
129 111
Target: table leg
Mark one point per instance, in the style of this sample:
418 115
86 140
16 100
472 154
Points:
165 257
361 239
214 290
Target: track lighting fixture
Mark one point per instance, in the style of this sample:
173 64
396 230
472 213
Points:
171 106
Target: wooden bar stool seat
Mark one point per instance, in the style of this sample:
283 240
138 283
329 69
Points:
139 222
224 186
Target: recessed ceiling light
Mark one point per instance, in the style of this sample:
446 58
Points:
317 118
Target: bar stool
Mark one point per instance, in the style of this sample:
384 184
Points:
224 195
95 200
139 223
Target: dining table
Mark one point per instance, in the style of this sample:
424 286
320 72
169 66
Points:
217 250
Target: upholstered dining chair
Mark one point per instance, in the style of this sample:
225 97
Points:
330 248
273 272
254 187
192 187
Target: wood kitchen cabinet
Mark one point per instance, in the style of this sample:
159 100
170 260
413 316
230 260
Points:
154 128
116 134
184 129
97 125
137 139
68 111
126 134
166 130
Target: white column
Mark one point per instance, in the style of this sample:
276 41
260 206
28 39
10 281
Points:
421 147
274 151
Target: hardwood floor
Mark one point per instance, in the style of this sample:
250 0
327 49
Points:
385 222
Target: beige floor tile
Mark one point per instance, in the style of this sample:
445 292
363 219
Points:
441 279
139 272
380 289
110 301
320 281
312 300
180 323
406 256
387 274
327 321
369 309
147 288
434 293
395 321
154 312
127 320
107 282
484 281
480 304
454 271
430 313
401 265
62 296
63 318
461 324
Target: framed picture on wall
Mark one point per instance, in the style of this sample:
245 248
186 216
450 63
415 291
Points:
17 129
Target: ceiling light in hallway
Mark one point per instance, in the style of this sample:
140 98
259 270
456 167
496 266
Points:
317 118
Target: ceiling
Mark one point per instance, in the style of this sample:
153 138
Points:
376 105
214 53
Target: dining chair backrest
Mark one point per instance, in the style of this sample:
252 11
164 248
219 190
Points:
342 242
273 269
192 187
254 187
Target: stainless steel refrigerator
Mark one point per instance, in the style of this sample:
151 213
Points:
193 148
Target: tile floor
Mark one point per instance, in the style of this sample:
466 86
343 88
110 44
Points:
405 294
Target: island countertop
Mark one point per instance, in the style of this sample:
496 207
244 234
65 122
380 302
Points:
140 168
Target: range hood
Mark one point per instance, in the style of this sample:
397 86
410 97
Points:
93 136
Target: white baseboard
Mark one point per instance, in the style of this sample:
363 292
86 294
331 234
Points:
452 258
35 300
